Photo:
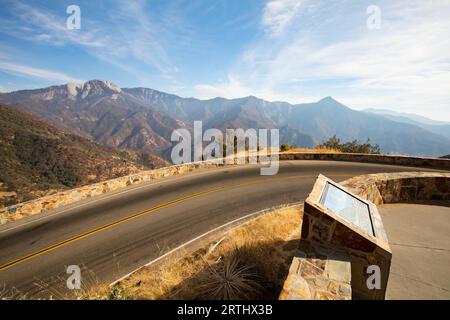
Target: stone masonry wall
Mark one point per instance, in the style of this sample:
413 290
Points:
401 186
318 273
322 226
57 200
433 163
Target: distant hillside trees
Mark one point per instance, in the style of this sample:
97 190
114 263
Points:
285 147
354 146
38 159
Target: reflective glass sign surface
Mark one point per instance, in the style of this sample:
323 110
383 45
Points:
347 207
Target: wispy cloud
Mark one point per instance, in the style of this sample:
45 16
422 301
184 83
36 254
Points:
232 88
35 24
405 65
128 37
139 36
279 14
36 72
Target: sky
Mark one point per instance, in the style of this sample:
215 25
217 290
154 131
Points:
366 54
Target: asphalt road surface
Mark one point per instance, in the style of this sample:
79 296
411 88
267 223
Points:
113 234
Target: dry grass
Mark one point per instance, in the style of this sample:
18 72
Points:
249 262
10 293
313 150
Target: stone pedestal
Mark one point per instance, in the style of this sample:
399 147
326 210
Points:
321 226
318 273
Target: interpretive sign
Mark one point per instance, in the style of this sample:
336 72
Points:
348 207
334 217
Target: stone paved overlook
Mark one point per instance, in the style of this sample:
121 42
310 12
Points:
421 251
413 254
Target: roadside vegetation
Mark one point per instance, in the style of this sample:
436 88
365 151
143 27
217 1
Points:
249 262
286 147
334 144
353 146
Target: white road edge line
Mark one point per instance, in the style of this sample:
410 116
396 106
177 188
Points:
260 212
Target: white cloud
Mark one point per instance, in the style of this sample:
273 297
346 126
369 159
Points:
233 88
279 14
229 89
40 25
36 72
139 37
129 37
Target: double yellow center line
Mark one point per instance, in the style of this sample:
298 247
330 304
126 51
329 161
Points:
139 214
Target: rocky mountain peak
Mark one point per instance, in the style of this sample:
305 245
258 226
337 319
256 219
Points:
328 99
98 87
73 89
142 118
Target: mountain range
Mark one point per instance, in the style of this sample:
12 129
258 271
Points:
143 118
438 127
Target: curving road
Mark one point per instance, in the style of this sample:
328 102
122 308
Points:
113 234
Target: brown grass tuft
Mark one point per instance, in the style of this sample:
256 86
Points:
314 150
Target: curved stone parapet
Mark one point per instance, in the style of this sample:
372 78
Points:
60 199
57 200
422 162
400 186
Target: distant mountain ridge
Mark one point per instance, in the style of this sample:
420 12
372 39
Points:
438 127
411 116
220 113
143 118
125 118
318 121
100 111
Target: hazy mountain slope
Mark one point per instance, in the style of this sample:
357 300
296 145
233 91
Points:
328 117
414 118
220 113
143 118
36 158
101 111
319 120
438 127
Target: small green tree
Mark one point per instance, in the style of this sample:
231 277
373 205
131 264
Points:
353 146
284 147
332 143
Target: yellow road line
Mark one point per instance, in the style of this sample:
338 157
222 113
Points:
139 214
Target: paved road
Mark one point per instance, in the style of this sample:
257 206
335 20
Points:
419 236
110 235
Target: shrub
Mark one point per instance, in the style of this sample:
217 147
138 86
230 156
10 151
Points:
285 147
353 146
232 280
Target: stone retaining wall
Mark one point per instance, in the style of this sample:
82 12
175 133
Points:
400 187
57 200
432 163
